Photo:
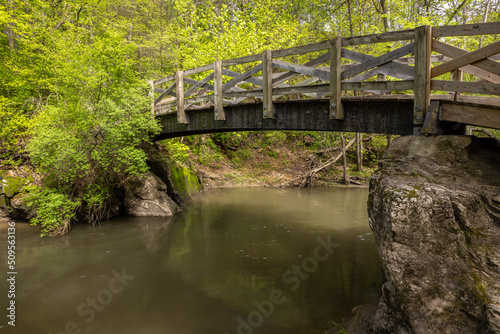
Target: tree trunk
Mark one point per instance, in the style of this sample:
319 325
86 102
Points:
344 159
359 151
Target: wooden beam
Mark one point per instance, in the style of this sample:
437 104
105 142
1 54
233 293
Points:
241 60
481 69
381 60
480 116
431 124
306 70
152 95
255 81
179 82
378 85
191 71
489 28
405 70
168 91
480 87
422 73
301 49
336 110
312 63
196 82
267 72
199 84
219 114
466 59
379 38
242 77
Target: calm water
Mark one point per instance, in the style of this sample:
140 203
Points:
235 261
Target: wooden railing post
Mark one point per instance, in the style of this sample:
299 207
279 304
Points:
267 73
422 90
219 114
336 110
152 94
179 84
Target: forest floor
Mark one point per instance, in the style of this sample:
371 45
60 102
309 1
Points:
285 165
262 160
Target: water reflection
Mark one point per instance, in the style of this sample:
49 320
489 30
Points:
206 270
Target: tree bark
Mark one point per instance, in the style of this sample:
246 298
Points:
344 159
359 151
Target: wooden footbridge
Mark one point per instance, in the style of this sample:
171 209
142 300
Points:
421 81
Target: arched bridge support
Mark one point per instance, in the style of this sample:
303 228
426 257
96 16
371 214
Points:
368 116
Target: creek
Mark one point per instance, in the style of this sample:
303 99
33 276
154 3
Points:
251 260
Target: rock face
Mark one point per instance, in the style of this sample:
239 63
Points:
434 207
147 196
12 202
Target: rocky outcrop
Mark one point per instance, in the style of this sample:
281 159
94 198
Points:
147 196
434 207
12 200
182 183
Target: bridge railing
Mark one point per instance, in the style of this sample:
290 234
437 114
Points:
337 65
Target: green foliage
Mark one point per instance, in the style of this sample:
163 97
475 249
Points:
55 211
177 151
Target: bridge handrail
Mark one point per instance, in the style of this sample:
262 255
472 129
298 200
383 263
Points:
331 81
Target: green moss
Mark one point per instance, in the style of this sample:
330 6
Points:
185 182
13 185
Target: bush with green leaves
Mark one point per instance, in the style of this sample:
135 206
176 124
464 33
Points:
83 153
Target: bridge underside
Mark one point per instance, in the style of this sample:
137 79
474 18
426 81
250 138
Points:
384 116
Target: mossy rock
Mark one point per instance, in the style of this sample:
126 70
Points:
185 182
13 185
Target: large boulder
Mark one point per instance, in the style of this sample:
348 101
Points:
434 207
147 196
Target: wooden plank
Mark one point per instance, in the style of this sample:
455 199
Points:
479 101
191 71
181 114
480 116
242 60
489 28
152 95
199 84
336 110
267 72
312 63
481 87
379 38
192 100
159 90
168 91
306 70
481 69
255 81
466 59
325 88
411 60
431 124
381 60
242 77
196 82
219 113
325 45
405 70
422 73
387 69
378 85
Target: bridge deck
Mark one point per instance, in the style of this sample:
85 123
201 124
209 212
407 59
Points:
342 89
